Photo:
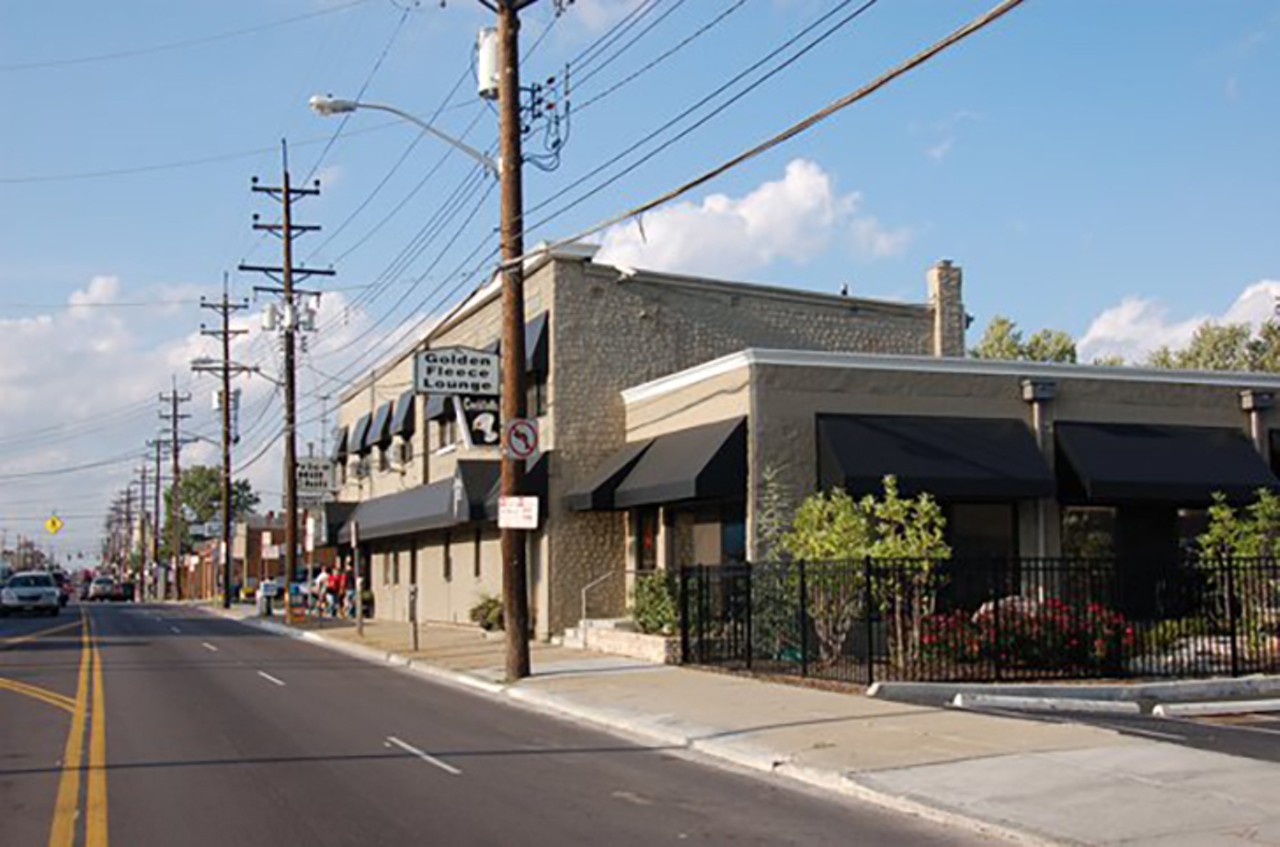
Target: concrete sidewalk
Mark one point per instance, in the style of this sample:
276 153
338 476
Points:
1030 781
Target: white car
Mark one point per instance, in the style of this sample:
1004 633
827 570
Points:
30 591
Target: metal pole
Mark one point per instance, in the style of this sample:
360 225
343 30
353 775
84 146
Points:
868 605
804 623
1232 627
515 593
413 614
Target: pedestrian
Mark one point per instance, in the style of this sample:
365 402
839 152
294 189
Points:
335 591
319 590
349 587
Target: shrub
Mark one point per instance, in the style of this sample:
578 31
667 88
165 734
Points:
654 607
487 614
1016 631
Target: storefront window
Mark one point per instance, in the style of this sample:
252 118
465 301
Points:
733 534
982 530
1088 532
645 529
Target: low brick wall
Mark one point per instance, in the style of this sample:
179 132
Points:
659 649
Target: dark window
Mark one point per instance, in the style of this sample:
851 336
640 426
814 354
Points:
733 534
982 530
395 568
1088 532
477 565
645 529
413 565
536 394
448 558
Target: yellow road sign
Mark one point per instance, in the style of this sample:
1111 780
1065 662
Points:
54 525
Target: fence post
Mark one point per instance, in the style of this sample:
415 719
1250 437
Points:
804 623
704 613
749 575
998 586
1231 615
684 614
867 595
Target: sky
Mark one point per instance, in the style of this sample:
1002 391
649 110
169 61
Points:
1104 168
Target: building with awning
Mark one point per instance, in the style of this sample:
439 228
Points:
411 466
1020 455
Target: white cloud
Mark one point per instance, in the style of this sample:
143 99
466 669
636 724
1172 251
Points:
79 385
793 218
1137 326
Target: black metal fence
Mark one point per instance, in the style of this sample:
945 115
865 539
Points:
984 619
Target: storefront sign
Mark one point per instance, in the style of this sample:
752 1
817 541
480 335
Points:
481 416
457 370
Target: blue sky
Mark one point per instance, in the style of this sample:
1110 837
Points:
1106 168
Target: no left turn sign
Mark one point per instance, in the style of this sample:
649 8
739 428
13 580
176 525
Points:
521 438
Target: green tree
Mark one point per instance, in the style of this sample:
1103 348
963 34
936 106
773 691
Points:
1110 361
200 498
1003 340
1225 347
832 530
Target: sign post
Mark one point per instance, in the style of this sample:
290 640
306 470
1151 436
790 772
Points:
355 558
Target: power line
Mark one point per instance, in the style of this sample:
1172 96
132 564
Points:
802 126
625 47
177 45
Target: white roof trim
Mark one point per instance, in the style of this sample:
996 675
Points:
931 364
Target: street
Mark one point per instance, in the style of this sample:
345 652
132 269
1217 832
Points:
191 729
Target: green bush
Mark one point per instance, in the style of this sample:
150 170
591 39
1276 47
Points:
654 607
487 614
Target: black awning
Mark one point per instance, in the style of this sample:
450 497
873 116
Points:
596 493
336 516
950 458
449 502
403 513
404 421
1183 464
339 454
359 442
534 484
380 430
536 344
702 463
437 406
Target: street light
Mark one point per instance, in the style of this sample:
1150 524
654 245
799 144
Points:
327 106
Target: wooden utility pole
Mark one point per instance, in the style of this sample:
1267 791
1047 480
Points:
143 548
174 417
225 309
293 318
515 590
157 483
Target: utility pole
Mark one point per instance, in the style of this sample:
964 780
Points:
139 577
292 319
155 510
515 592
175 417
225 309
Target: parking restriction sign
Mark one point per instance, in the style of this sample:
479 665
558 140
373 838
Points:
521 438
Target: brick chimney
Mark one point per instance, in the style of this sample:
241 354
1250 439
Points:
947 302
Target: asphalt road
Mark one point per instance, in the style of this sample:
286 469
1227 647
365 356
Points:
167 726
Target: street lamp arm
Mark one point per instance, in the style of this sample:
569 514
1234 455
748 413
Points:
327 106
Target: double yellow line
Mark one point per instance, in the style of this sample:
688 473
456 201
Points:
66 809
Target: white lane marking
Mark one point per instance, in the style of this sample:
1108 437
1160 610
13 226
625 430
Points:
426 757
175 629
206 645
269 678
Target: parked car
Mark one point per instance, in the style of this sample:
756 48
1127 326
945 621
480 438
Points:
102 588
31 591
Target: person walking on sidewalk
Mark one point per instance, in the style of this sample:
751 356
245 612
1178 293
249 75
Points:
349 591
320 591
335 591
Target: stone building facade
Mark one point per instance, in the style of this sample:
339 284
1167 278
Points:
604 329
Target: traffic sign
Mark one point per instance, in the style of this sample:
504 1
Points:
521 438
517 513
54 525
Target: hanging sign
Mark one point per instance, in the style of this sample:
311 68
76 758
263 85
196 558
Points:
457 370
481 415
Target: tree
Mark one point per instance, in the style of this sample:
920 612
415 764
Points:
833 534
200 496
1003 340
1213 347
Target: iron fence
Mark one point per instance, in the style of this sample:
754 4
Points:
984 619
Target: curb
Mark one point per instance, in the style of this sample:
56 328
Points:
1217 707
1147 693
846 785
1046 704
